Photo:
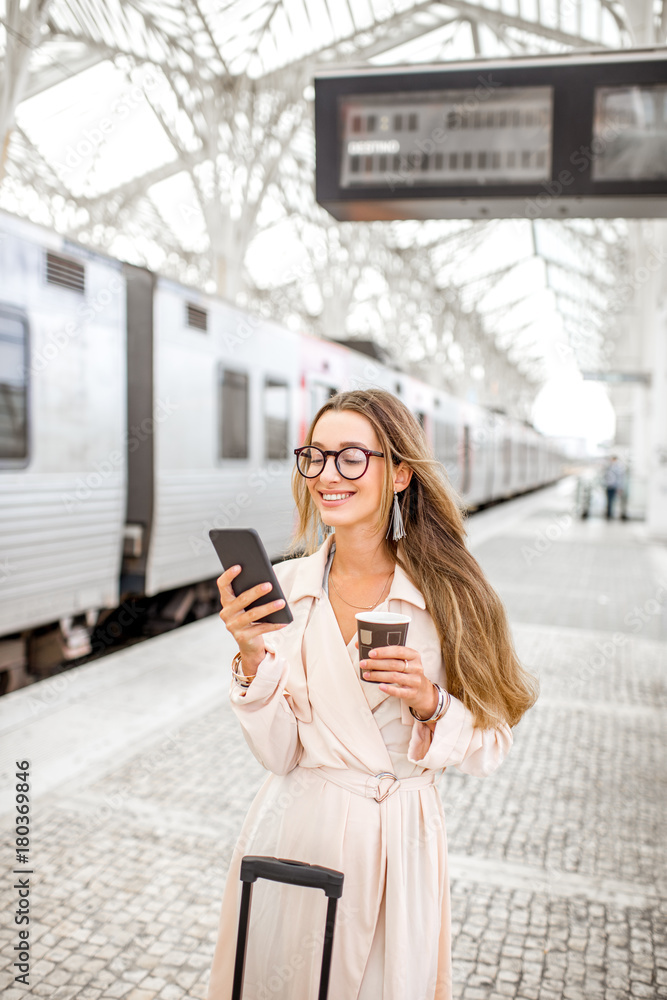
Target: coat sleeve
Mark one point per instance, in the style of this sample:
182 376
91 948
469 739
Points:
455 742
268 722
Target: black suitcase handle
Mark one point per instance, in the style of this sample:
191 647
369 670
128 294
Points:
292 873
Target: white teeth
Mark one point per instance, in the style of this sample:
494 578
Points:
336 496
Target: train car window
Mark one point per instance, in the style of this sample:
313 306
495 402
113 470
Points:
276 419
319 394
234 411
13 386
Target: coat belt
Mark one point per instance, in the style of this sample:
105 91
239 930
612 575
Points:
374 786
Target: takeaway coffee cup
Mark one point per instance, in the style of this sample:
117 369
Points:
379 628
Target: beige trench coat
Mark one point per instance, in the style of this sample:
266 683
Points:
324 734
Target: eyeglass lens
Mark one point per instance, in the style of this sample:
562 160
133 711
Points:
351 463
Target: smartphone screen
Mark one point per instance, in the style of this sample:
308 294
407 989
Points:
243 547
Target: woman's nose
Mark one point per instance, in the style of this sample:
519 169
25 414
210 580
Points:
330 471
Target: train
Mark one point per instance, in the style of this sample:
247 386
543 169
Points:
136 413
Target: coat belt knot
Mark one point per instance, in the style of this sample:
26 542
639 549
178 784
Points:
374 786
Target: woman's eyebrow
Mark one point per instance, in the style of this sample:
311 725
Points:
343 444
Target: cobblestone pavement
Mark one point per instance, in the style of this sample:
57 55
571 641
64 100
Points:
559 873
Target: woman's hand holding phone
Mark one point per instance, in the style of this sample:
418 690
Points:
247 626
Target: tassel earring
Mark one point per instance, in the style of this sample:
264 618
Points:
324 530
396 527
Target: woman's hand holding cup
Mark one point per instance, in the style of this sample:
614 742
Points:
247 626
396 668
399 671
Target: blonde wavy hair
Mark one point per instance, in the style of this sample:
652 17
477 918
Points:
481 665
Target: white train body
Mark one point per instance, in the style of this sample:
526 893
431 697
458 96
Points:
62 495
155 412
197 487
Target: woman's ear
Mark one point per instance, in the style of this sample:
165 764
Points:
402 476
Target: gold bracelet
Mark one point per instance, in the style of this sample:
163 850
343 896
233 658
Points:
242 679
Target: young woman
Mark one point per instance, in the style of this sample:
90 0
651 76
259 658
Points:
354 761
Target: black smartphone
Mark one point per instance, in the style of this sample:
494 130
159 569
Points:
243 547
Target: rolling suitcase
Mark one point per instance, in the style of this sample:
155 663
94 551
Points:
293 873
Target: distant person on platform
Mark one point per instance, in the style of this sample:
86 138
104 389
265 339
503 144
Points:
614 481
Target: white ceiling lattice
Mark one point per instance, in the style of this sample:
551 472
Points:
178 134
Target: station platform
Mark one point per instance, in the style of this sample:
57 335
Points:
140 779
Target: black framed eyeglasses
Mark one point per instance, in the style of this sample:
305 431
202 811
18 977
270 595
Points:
350 462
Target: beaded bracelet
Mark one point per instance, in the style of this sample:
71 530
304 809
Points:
440 709
243 680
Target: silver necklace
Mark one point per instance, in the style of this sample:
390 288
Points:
360 607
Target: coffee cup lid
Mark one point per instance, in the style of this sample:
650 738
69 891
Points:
382 617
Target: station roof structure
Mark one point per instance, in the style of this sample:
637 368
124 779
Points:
178 134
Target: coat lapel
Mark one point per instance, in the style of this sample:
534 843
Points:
335 691
324 672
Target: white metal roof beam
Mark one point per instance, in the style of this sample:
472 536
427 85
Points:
138 186
409 25
57 71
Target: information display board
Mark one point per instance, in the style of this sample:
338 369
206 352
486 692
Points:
578 136
447 138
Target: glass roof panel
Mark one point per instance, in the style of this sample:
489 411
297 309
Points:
160 167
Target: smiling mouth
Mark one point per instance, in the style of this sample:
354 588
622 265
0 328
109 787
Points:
331 497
